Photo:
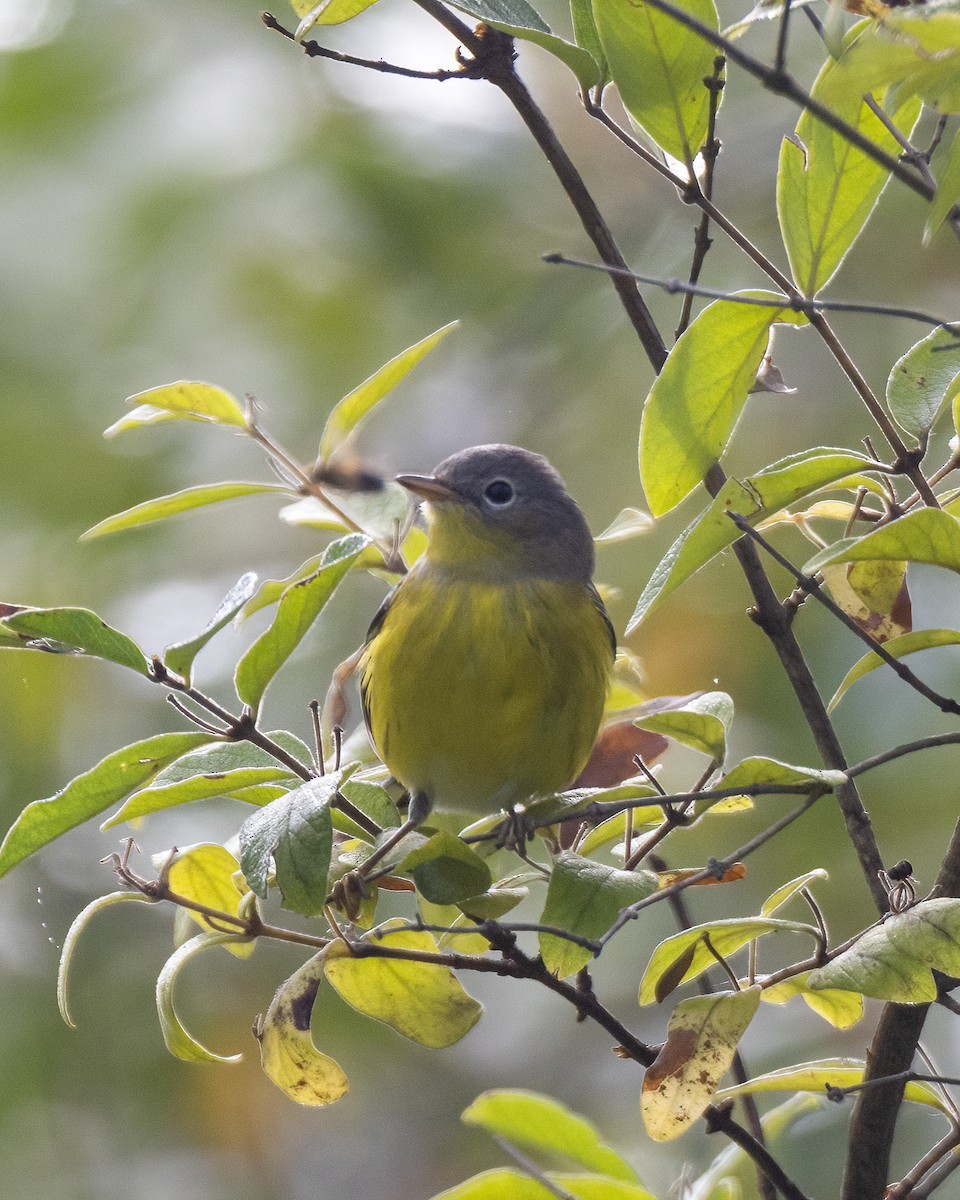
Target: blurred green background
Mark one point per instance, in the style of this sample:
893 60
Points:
185 195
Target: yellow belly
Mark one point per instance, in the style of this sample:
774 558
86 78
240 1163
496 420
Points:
482 695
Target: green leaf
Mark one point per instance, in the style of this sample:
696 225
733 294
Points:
215 769
948 191
504 1183
895 961
520 20
288 1054
827 188
614 829
350 412
752 771
756 498
786 891
542 1124
299 607
697 398
446 870
841 1009
917 49
77 927
923 380
423 1001
179 657
816 1076
929 535
908 643
295 833
91 793
659 67
142 415
585 34
168 506
702 724
327 12
702 1038
689 949
193 401
584 897
629 523
79 631
179 1041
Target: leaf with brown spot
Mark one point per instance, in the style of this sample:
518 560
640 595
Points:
702 1039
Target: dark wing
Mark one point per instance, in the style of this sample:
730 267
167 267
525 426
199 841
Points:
598 604
375 626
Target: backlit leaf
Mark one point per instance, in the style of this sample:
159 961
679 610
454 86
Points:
194 401
702 724
205 874
423 1001
169 506
923 380
948 191
179 657
842 1009
659 67
697 398
543 1125
929 535
816 1076
79 631
755 498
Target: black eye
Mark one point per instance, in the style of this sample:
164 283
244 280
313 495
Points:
499 492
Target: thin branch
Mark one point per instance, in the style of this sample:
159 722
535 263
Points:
494 52
906 1187
529 1167
315 50
719 1120
794 301
813 587
927 743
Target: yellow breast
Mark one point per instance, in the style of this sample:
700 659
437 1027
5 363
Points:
481 694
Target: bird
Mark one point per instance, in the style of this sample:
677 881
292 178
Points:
484 673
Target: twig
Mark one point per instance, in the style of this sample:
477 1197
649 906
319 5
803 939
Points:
813 587
795 302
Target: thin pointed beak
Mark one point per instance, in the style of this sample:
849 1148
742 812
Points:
428 487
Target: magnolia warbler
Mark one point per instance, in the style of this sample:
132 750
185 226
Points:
485 670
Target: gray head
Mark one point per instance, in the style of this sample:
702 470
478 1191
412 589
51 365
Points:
502 507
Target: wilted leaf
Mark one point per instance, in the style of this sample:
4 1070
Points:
613 757
874 594
205 874
726 937
423 1001
287 1052
179 1042
77 927
702 1038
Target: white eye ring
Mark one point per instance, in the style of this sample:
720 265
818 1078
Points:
500 493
